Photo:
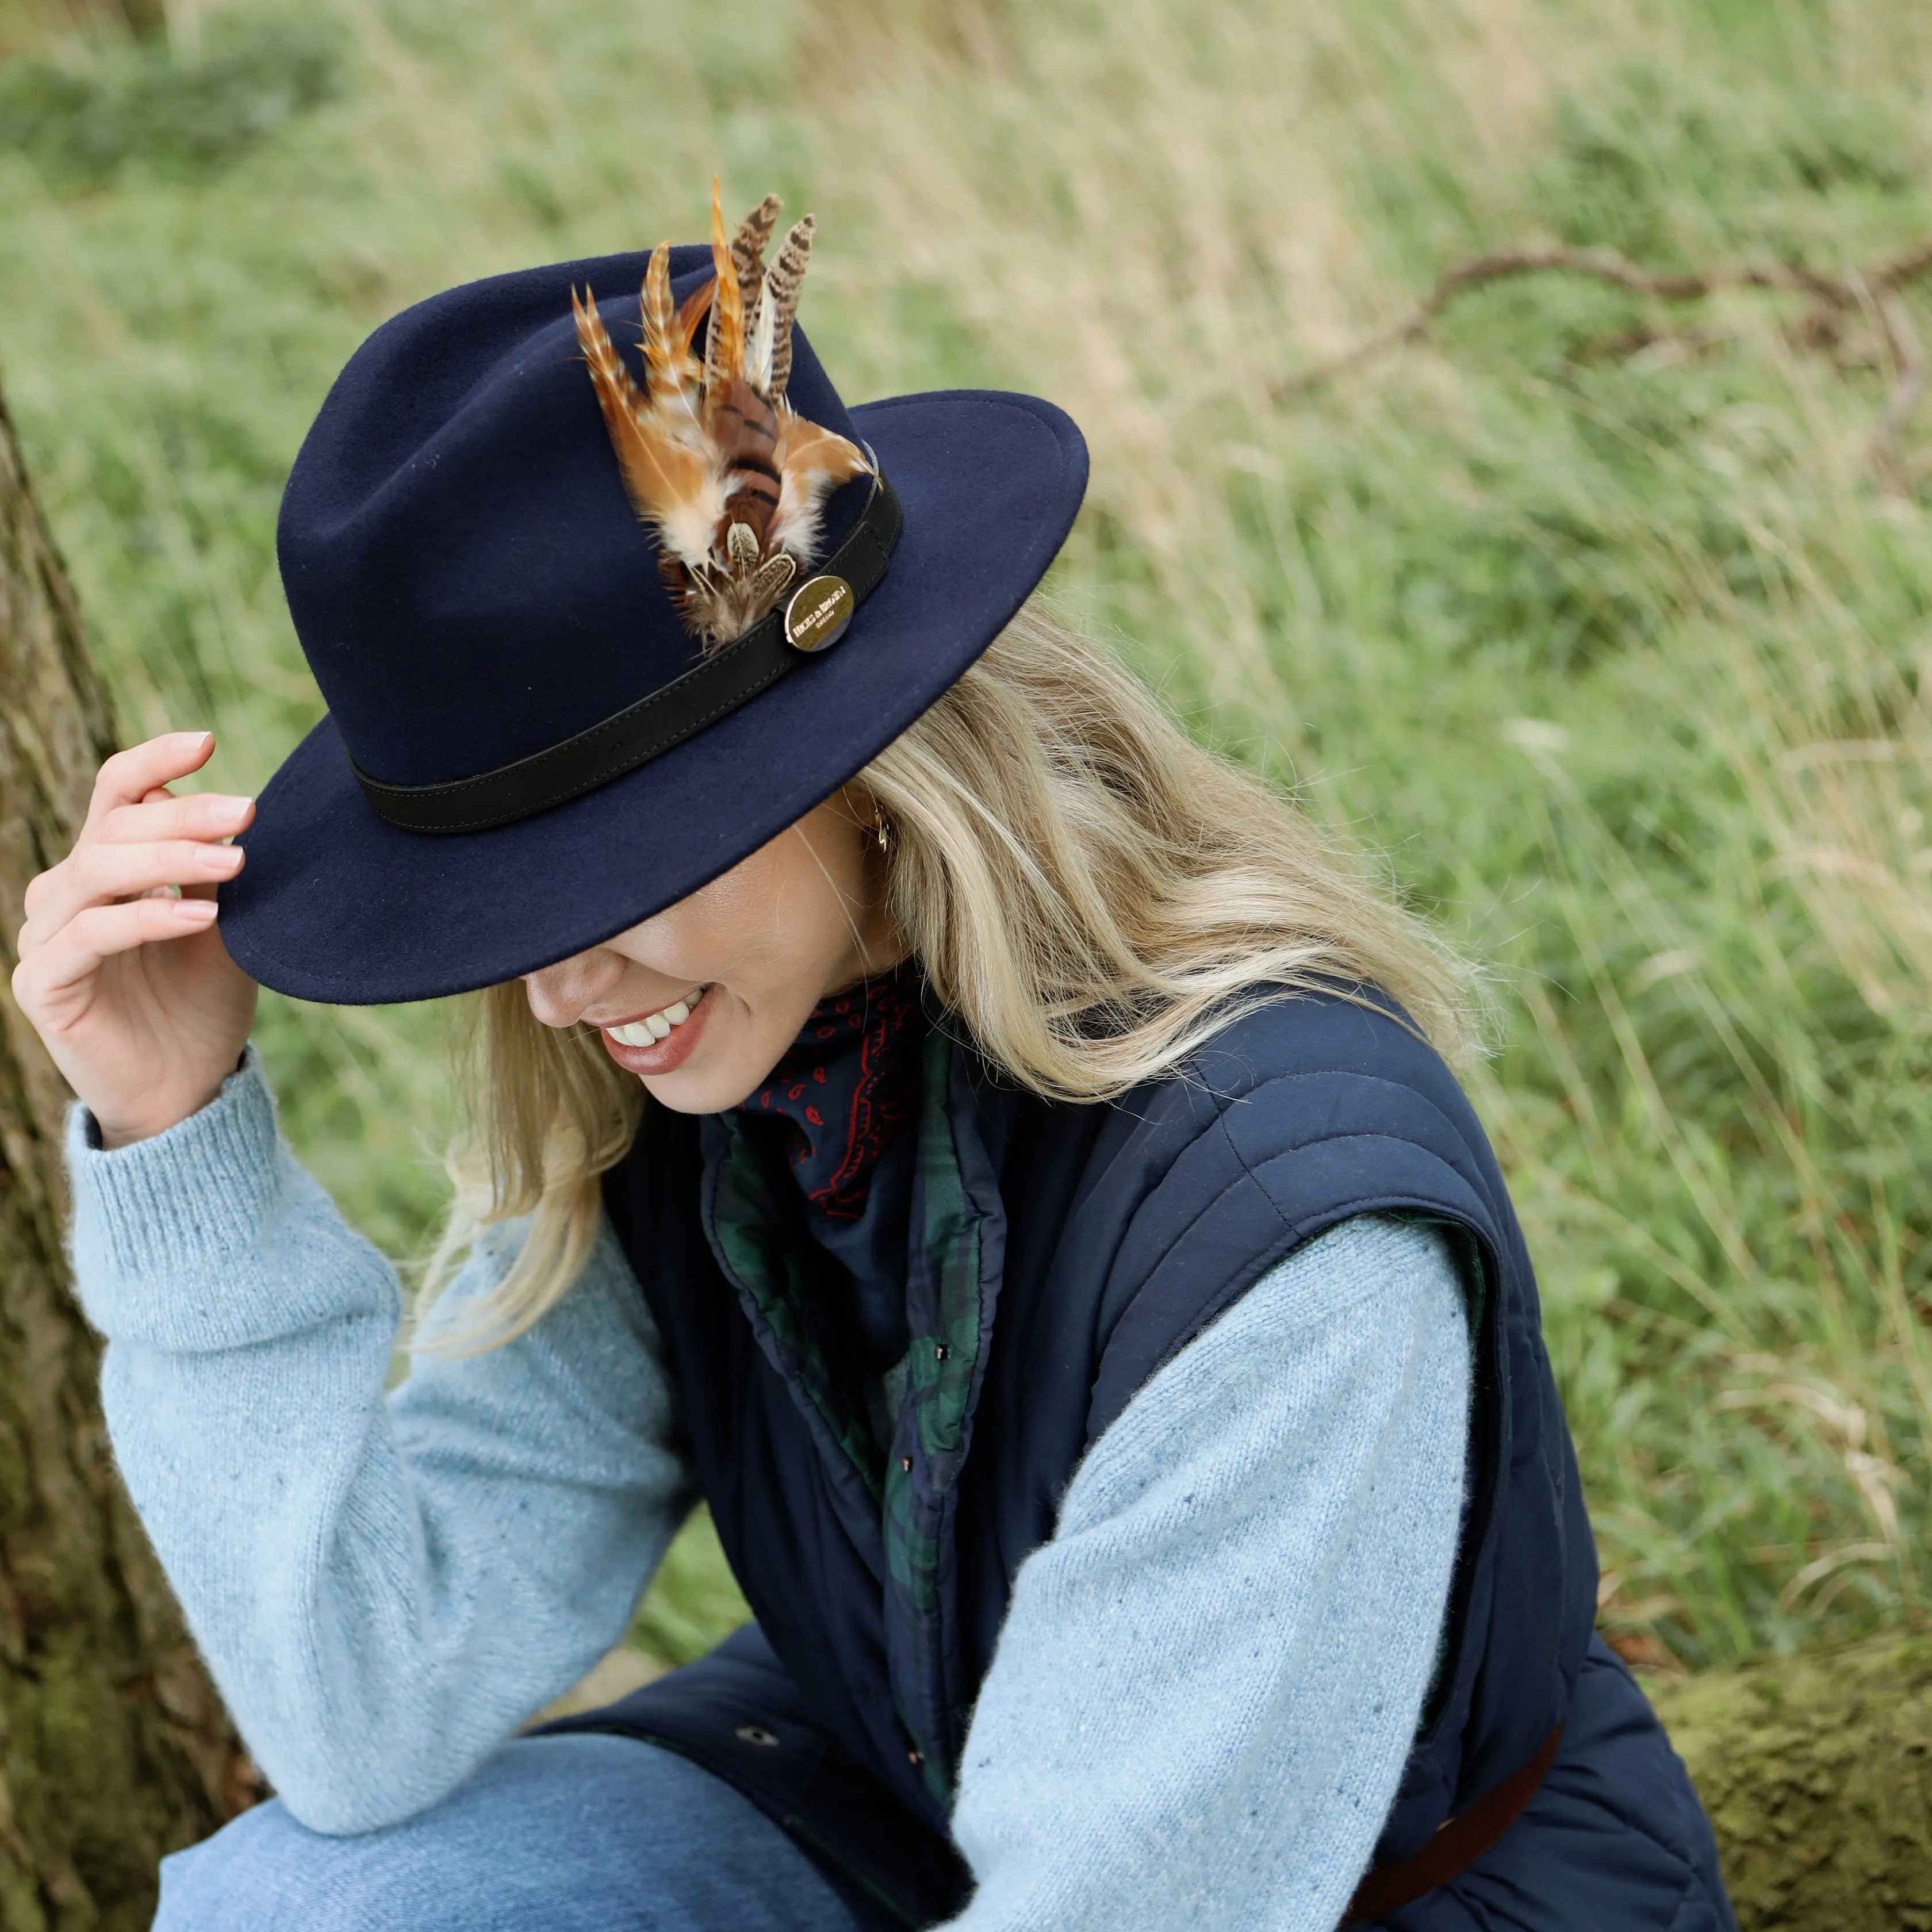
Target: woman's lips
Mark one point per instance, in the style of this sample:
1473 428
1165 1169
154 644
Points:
661 1056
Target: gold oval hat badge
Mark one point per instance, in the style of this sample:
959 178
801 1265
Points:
818 612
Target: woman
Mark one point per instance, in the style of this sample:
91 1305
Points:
987 1149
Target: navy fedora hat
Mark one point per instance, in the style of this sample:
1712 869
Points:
526 750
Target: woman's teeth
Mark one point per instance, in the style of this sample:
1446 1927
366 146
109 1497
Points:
653 1026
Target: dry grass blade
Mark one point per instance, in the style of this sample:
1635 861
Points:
1908 386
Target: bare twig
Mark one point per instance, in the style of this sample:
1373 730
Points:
1902 270
1652 348
1874 291
1593 265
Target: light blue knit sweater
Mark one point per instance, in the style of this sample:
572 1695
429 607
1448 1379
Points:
1206 1686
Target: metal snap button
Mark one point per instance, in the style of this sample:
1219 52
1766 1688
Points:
756 1734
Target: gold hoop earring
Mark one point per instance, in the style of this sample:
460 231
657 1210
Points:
883 830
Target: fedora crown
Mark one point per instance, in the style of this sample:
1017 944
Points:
468 578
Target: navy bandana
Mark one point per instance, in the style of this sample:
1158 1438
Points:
847 1087
845 1097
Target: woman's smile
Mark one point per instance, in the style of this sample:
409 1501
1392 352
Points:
656 1042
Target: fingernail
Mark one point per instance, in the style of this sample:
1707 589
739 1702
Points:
219 858
196 912
227 806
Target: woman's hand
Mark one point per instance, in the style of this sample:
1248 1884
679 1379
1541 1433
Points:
128 984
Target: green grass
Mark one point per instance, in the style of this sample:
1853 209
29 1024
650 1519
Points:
1618 662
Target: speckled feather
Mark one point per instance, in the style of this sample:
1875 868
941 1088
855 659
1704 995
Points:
782 290
747 247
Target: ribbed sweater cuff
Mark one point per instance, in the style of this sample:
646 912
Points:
172 1236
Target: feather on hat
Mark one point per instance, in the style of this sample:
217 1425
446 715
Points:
729 478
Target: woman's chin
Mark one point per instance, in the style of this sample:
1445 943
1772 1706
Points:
712 1074
692 1090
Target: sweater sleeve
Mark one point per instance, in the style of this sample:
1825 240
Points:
384 1587
1209 1679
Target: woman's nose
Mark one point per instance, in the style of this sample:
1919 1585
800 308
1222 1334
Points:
559 994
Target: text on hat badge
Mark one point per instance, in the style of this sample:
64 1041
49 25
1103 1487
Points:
818 612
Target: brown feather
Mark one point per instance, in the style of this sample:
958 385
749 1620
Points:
809 449
662 356
772 577
690 314
660 474
782 285
744 431
617 390
726 344
812 462
747 247
719 606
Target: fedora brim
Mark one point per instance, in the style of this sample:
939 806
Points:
334 904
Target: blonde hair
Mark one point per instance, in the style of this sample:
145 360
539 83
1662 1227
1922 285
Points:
1091 896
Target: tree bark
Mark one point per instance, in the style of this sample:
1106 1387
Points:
31 22
114 1748
146 19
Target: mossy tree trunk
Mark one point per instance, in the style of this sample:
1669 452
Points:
114 1748
1816 1770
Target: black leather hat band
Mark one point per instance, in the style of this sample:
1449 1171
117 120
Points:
677 711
